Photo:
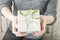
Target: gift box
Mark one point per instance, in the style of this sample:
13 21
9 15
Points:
28 21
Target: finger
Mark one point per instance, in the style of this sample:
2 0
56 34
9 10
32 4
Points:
14 26
23 33
39 34
43 28
15 31
43 25
17 20
15 23
36 33
20 35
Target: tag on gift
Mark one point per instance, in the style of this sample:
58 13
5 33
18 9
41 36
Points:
28 21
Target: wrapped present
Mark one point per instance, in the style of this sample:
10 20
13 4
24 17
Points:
28 21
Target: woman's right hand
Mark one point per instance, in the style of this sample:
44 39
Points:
14 27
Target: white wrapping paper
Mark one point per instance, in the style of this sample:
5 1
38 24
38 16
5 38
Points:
28 21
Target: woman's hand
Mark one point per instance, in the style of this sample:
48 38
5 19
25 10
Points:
14 27
43 26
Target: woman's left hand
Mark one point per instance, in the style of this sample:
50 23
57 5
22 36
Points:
43 27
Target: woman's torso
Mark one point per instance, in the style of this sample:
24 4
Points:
26 5
30 4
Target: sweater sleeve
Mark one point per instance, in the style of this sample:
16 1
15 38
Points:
51 9
5 3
